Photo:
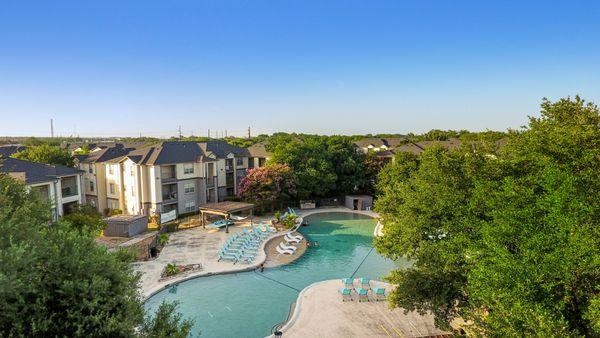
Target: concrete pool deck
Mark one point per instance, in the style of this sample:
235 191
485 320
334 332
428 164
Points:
194 246
320 312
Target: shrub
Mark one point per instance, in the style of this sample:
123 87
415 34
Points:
162 239
171 269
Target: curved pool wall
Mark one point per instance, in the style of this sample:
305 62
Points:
250 304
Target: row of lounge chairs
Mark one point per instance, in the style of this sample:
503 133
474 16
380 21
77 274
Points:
362 291
243 246
286 249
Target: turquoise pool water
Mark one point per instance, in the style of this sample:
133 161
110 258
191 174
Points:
249 304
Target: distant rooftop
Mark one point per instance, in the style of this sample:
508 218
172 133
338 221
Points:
33 172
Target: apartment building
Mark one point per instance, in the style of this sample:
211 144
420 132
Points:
257 155
60 185
173 175
99 183
178 175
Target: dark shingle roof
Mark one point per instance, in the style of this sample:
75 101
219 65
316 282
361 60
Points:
171 152
106 154
390 142
258 150
36 172
222 149
7 151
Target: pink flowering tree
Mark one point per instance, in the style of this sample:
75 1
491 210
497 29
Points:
268 186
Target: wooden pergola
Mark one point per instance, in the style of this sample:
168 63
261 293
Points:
224 209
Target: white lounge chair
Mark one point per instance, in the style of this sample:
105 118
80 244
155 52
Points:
291 239
287 247
285 252
289 235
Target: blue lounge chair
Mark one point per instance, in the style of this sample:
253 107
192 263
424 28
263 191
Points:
258 232
379 293
226 256
362 295
346 294
219 224
365 283
348 283
247 258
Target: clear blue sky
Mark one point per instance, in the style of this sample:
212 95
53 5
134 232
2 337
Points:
344 67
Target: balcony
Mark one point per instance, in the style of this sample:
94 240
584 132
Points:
68 186
169 198
168 173
229 180
169 194
210 182
229 164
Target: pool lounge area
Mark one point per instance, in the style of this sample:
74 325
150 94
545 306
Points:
251 303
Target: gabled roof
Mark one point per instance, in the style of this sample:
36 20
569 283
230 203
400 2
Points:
36 172
172 152
390 142
258 150
8 150
409 148
222 149
105 155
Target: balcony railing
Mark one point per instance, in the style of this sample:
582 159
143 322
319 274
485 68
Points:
210 181
68 192
169 197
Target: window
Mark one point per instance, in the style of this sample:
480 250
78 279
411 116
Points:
91 169
189 188
110 169
239 161
91 185
111 187
188 168
190 206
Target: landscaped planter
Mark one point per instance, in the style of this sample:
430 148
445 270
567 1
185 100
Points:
172 270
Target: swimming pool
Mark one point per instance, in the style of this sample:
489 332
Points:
249 304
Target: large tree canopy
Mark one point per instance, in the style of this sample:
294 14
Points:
56 281
508 241
324 165
45 153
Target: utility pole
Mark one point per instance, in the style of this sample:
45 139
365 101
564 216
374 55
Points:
248 132
52 128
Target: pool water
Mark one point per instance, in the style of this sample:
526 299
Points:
250 304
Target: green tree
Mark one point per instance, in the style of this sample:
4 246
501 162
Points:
56 281
167 322
46 154
85 218
510 240
325 166
268 186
